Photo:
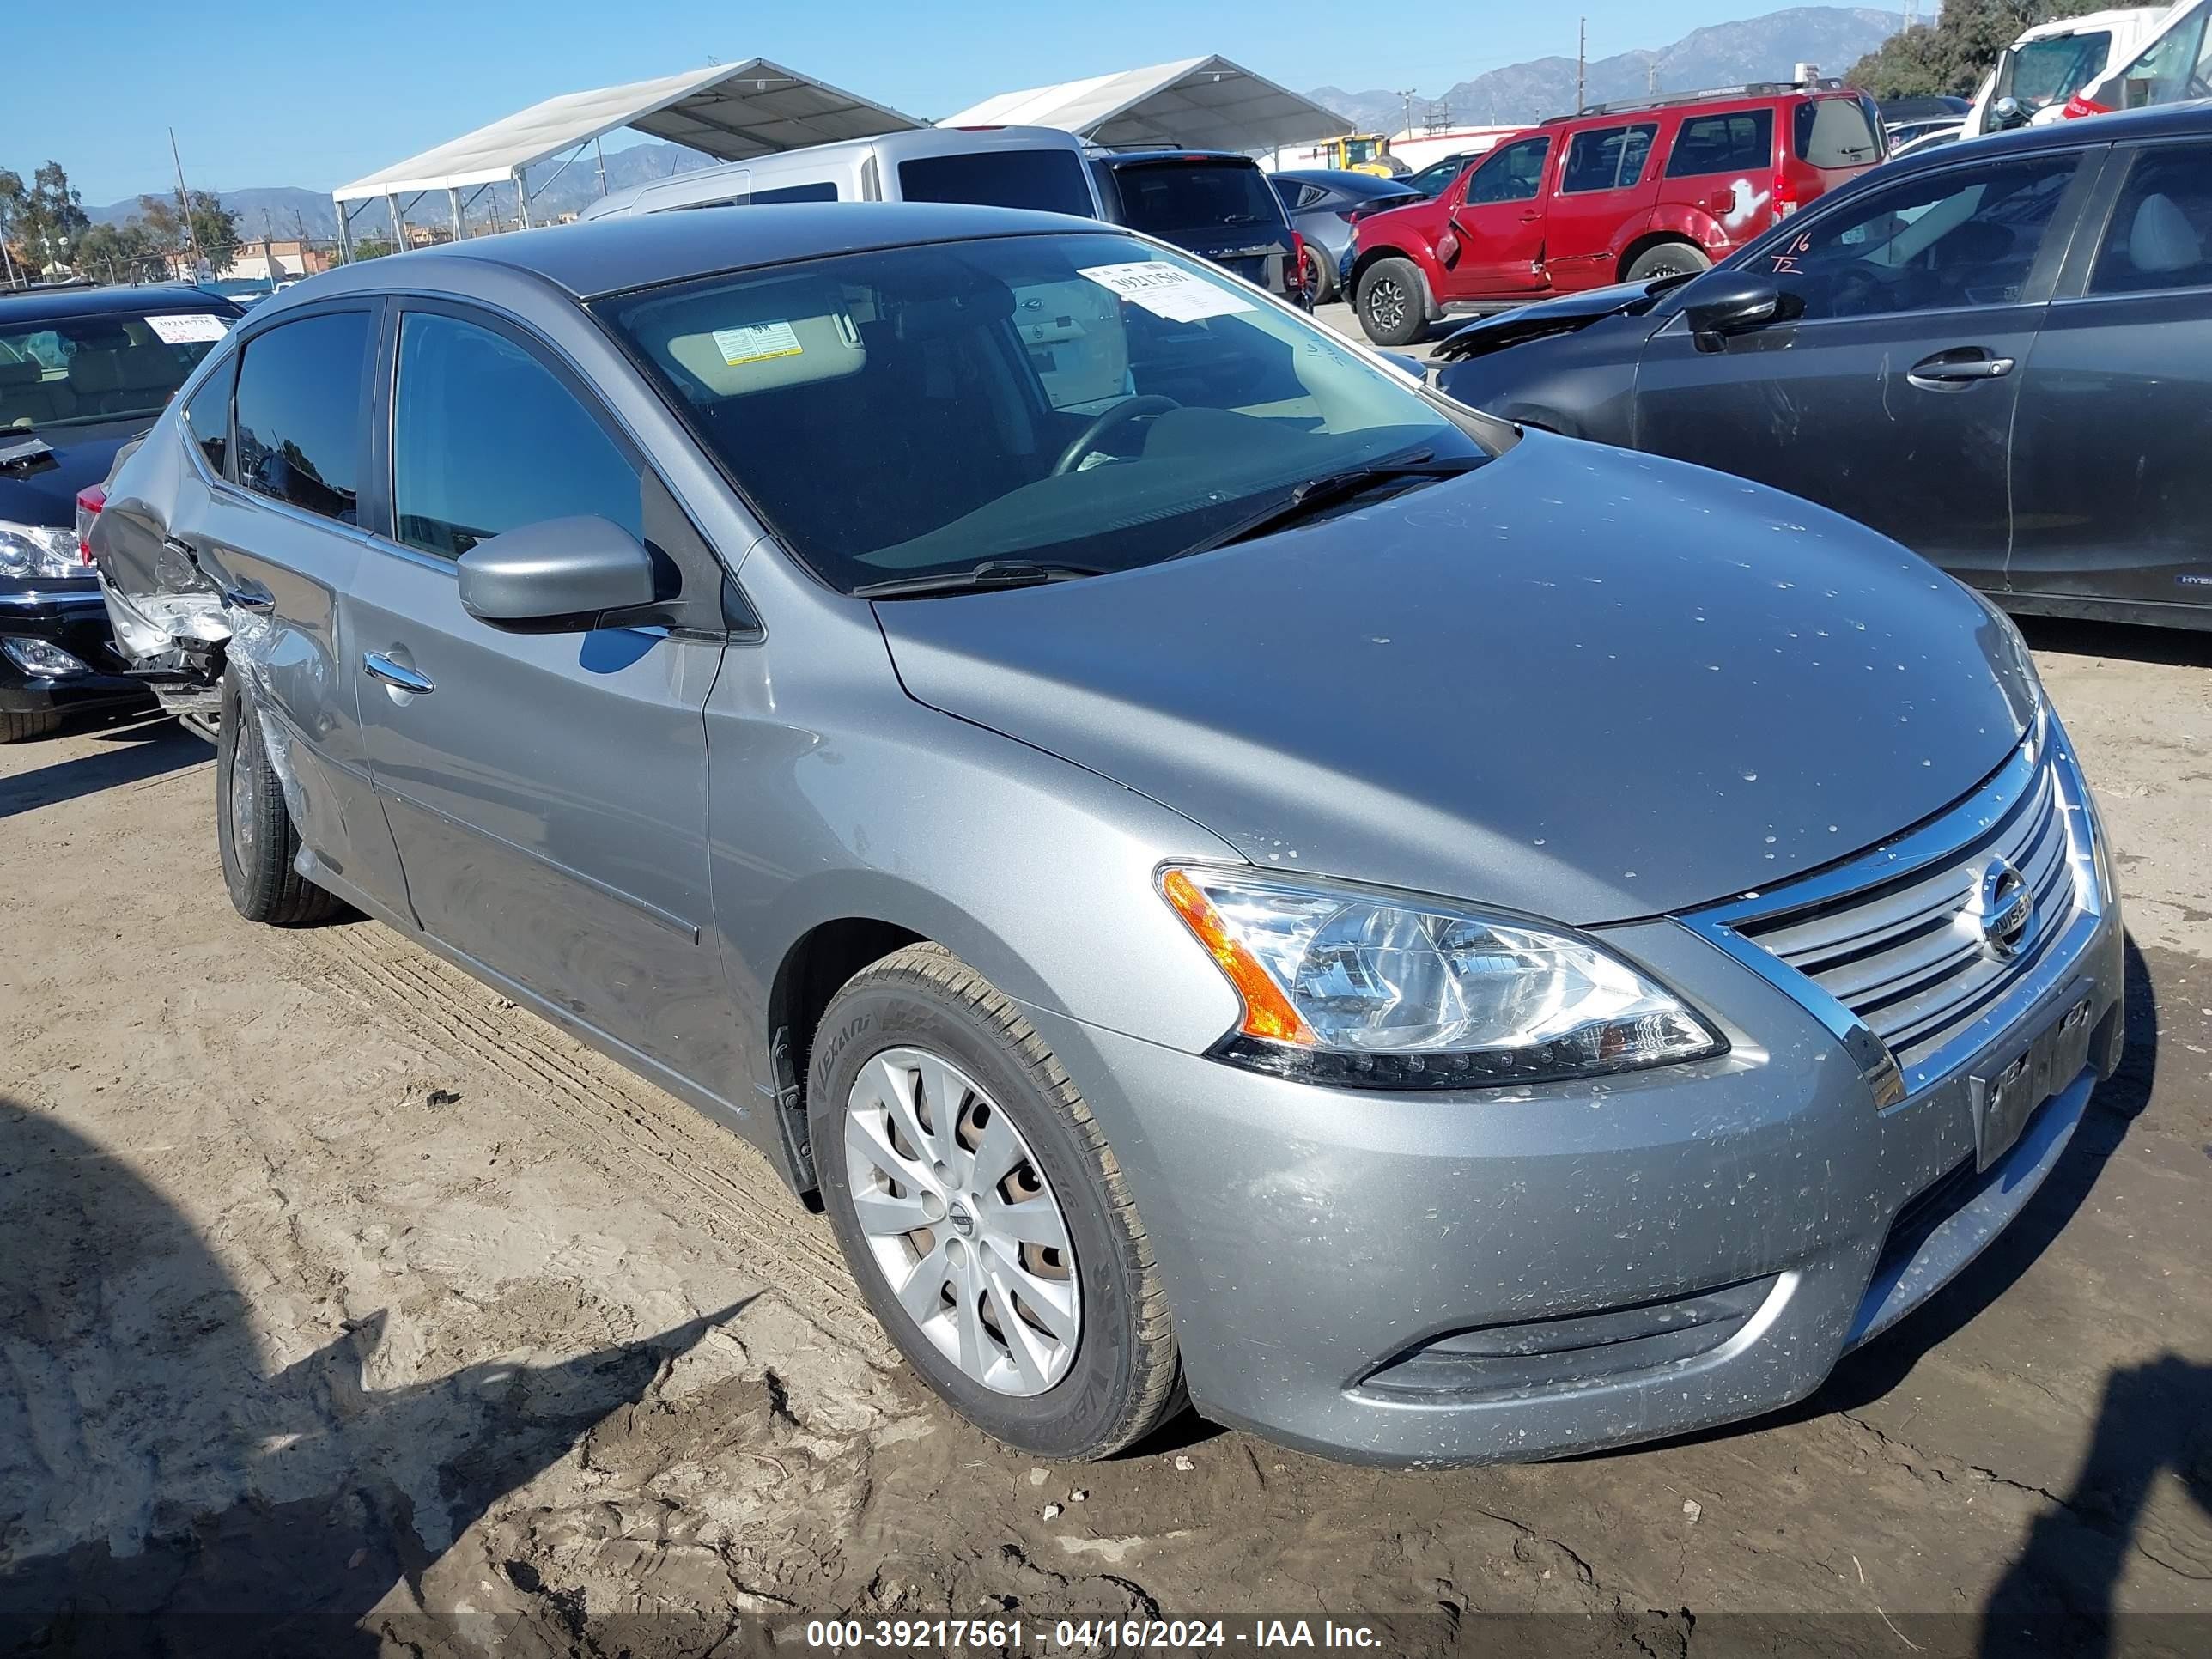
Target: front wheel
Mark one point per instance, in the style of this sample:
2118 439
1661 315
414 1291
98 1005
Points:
17 725
1392 311
983 1213
1667 259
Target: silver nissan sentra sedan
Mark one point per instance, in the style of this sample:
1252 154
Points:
1233 878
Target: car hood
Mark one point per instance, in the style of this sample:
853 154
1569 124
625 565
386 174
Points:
1580 682
1561 315
44 491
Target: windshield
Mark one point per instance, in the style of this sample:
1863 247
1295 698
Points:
2046 72
2175 66
1085 400
78 371
1359 150
1166 197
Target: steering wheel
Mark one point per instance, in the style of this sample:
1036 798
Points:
1132 409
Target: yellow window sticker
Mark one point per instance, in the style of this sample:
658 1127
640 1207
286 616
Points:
757 342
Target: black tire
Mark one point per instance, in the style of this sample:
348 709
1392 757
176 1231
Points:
17 725
253 827
1393 308
1667 259
1125 1376
1320 281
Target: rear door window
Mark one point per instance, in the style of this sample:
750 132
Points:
207 416
1606 158
1834 132
300 390
2160 234
822 191
486 439
1182 195
1048 180
1740 141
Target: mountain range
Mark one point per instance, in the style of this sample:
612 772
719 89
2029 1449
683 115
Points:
1726 54
1754 49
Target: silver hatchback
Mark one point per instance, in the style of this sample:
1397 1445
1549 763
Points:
1232 877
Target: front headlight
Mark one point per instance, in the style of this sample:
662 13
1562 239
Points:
38 549
1373 990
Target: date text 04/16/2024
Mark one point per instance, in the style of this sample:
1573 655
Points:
1084 1635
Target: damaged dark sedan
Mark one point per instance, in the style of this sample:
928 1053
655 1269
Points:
82 371
1235 880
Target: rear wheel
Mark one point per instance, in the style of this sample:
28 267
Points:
983 1213
1391 309
254 831
17 724
1321 281
1667 259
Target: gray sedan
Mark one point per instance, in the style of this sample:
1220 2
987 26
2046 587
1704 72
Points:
1233 878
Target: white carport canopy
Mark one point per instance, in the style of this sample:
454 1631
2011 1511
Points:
1200 103
729 111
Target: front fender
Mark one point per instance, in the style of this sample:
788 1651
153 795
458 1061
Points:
1422 257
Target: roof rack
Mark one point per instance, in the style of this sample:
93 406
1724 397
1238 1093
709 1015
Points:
1750 89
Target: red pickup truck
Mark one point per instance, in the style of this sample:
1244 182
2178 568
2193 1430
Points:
1621 192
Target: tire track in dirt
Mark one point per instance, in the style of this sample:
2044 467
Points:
706 1175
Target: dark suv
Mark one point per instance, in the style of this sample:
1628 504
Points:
82 371
1620 192
1216 204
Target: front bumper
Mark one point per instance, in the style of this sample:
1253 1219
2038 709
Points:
1512 1275
71 615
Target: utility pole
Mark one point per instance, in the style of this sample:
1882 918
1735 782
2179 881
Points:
1651 79
1581 59
1407 98
184 207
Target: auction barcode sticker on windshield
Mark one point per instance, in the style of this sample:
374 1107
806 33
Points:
756 342
1167 290
187 327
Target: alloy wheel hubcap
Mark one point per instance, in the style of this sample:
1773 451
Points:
961 1222
244 819
1387 306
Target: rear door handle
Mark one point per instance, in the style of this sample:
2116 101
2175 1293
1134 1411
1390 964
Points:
1958 368
378 666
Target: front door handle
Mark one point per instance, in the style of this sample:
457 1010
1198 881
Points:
1958 368
398 676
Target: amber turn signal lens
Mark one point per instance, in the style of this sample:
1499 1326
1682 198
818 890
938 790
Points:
1267 1012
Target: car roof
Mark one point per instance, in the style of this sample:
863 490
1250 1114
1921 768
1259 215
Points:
1122 158
1334 178
41 305
2161 121
623 251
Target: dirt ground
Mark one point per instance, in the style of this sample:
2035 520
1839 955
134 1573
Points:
336 1291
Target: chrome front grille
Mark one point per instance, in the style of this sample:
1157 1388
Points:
1899 941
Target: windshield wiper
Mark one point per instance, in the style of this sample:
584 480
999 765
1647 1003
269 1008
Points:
1331 488
990 574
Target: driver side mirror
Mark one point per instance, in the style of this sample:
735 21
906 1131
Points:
2005 114
1731 303
557 576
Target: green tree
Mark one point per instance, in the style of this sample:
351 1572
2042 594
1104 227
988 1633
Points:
212 226
1955 52
118 253
40 221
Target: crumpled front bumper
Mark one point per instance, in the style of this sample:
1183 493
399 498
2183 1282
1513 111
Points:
1516 1274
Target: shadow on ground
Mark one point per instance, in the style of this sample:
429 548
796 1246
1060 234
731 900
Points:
126 754
162 1491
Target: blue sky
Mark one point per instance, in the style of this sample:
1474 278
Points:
314 93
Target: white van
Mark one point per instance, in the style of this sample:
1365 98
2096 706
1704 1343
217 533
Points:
2052 64
2174 64
990 166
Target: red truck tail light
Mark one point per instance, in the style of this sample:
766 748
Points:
1295 279
1786 197
90 501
